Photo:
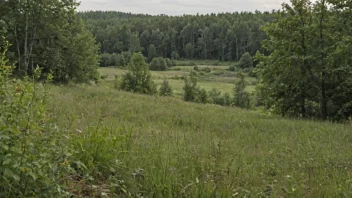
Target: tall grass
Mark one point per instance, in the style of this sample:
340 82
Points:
176 149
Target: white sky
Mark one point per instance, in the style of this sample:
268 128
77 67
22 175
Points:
180 7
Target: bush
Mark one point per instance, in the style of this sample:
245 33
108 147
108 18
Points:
227 99
170 63
246 61
206 70
241 97
127 56
105 60
165 89
158 64
215 97
196 68
201 95
192 93
175 55
114 60
233 68
138 79
32 156
190 87
121 62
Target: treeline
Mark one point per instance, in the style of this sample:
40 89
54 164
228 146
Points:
48 34
309 70
223 37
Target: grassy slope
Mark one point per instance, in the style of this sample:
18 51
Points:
197 150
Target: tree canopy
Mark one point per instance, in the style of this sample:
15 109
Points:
49 34
308 72
224 36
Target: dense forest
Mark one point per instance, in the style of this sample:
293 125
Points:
223 36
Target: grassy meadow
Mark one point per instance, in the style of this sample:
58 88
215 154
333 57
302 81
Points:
219 78
163 147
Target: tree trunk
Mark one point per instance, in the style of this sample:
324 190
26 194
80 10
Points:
323 76
237 58
25 50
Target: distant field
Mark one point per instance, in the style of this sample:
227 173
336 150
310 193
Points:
219 78
204 62
180 149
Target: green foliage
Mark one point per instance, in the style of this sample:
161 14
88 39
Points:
170 63
158 64
165 89
241 97
307 72
233 68
105 60
57 41
114 59
134 44
175 55
138 79
222 37
246 61
201 96
31 150
121 62
97 148
190 88
193 93
126 56
196 68
152 52
189 51
216 98
206 70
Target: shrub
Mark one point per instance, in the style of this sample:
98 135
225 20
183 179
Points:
227 99
127 56
216 63
121 62
241 97
233 68
165 89
105 60
190 87
206 70
192 93
138 79
175 55
196 68
158 64
201 95
170 63
246 61
32 156
114 60
215 97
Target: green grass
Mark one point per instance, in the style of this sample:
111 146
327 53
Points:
180 149
204 62
219 78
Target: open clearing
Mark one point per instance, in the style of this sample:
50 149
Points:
219 78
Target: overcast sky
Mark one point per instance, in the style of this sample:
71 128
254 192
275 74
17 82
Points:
180 7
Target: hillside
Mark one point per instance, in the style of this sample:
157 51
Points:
179 149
